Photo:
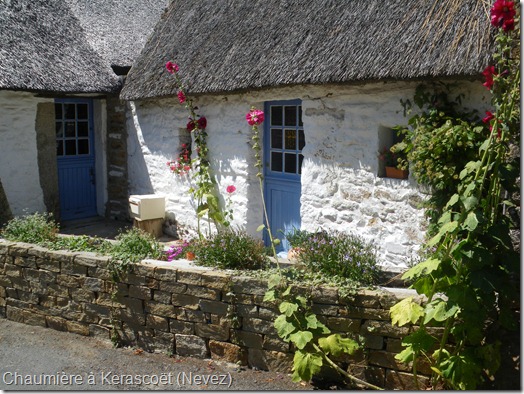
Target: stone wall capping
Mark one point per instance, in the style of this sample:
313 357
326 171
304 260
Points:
190 311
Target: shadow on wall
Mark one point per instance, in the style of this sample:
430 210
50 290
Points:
5 211
138 173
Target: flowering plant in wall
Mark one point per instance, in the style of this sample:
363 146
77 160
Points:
205 193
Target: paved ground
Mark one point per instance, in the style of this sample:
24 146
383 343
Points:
30 354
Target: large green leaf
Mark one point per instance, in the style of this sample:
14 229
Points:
406 311
301 338
288 308
445 229
424 268
440 310
471 222
284 328
337 345
305 365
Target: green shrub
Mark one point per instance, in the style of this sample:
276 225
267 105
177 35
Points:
230 249
37 228
297 238
339 254
131 247
80 243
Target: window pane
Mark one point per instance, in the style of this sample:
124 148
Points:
69 110
70 129
300 116
290 115
291 163
291 139
58 111
276 161
276 116
82 129
301 140
70 147
300 160
60 148
276 138
81 111
59 127
83 146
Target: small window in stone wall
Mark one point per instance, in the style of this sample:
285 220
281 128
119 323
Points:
387 137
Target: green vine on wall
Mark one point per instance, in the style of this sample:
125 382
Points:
471 277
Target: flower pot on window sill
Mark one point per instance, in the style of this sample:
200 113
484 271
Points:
393 172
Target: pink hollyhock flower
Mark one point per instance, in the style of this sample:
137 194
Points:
231 189
489 73
181 97
255 117
202 122
503 14
488 117
172 67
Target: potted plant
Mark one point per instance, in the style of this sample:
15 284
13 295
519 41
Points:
394 161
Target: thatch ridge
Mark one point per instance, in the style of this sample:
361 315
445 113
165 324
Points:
44 49
234 45
118 29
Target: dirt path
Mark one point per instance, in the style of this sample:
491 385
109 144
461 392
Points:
29 355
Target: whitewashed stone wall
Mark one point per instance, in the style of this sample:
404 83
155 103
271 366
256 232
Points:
18 152
341 189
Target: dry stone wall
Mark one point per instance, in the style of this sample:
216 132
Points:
189 311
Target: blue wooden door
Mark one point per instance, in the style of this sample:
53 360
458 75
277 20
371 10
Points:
283 143
76 158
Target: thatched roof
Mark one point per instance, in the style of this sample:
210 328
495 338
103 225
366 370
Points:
118 29
44 49
235 45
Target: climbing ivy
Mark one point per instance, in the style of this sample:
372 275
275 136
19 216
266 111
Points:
471 276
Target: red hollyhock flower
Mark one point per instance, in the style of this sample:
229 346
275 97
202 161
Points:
202 122
488 117
181 97
488 73
190 126
171 67
231 189
503 14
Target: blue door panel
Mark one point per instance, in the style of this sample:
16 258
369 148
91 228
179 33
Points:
75 158
284 209
283 143
77 189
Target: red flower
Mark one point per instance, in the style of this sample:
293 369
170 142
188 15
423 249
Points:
489 73
202 122
231 189
181 97
171 67
502 14
255 117
190 125
488 117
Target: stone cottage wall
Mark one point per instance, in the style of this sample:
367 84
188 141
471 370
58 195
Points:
342 184
18 151
189 311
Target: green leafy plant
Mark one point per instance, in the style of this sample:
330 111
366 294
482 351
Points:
230 249
80 243
315 345
35 228
131 247
471 277
438 142
338 254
